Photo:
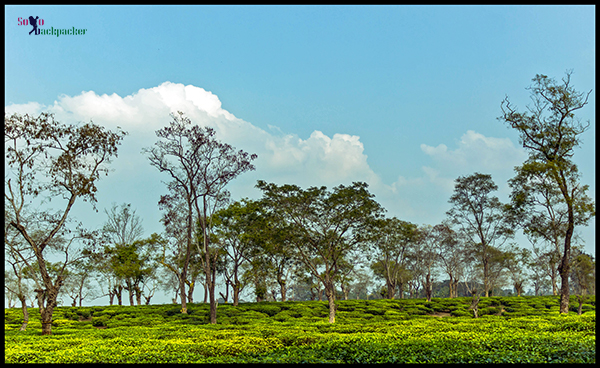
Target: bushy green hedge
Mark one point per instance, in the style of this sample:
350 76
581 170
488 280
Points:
416 339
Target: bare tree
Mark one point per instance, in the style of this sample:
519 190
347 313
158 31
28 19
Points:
199 167
48 160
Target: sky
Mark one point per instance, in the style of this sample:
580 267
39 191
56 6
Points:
405 98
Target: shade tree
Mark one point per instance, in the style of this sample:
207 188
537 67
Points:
50 161
199 167
482 220
392 242
327 226
550 131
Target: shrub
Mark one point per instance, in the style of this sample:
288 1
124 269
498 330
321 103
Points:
489 311
346 307
172 312
84 313
375 311
100 321
461 313
268 309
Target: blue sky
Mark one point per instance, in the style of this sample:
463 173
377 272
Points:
405 98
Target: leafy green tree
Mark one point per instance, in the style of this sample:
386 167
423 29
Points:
48 160
239 229
543 270
393 240
402 276
583 273
181 262
481 218
121 229
449 249
517 261
15 283
131 263
78 285
550 132
327 226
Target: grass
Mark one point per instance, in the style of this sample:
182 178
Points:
510 329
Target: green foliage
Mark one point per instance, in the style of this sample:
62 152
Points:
267 308
298 333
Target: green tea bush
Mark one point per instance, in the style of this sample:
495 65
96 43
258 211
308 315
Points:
298 334
461 313
266 308
85 313
100 321
489 311
375 311
285 316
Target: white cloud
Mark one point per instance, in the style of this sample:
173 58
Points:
478 152
283 157
317 160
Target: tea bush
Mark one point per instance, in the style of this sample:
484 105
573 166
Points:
374 331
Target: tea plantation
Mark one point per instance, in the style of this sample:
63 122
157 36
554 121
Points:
509 330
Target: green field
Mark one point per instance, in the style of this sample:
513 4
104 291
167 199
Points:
509 329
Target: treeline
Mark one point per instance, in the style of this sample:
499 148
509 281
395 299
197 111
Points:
318 241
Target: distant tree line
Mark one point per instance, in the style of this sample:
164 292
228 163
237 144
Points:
292 243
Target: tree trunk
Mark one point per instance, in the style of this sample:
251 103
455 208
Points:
138 295
345 290
236 294
46 316
330 292
428 287
131 293
391 290
564 267
211 295
453 287
190 294
474 304
486 280
226 296
47 297
283 290
25 312
564 290
554 277
119 295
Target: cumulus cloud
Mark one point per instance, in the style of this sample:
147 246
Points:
474 153
477 151
284 157
316 160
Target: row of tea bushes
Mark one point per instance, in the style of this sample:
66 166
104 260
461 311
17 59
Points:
307 312
489 339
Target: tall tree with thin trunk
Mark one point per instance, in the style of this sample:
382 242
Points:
393 241
449 250
550 132
482 219
200 167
